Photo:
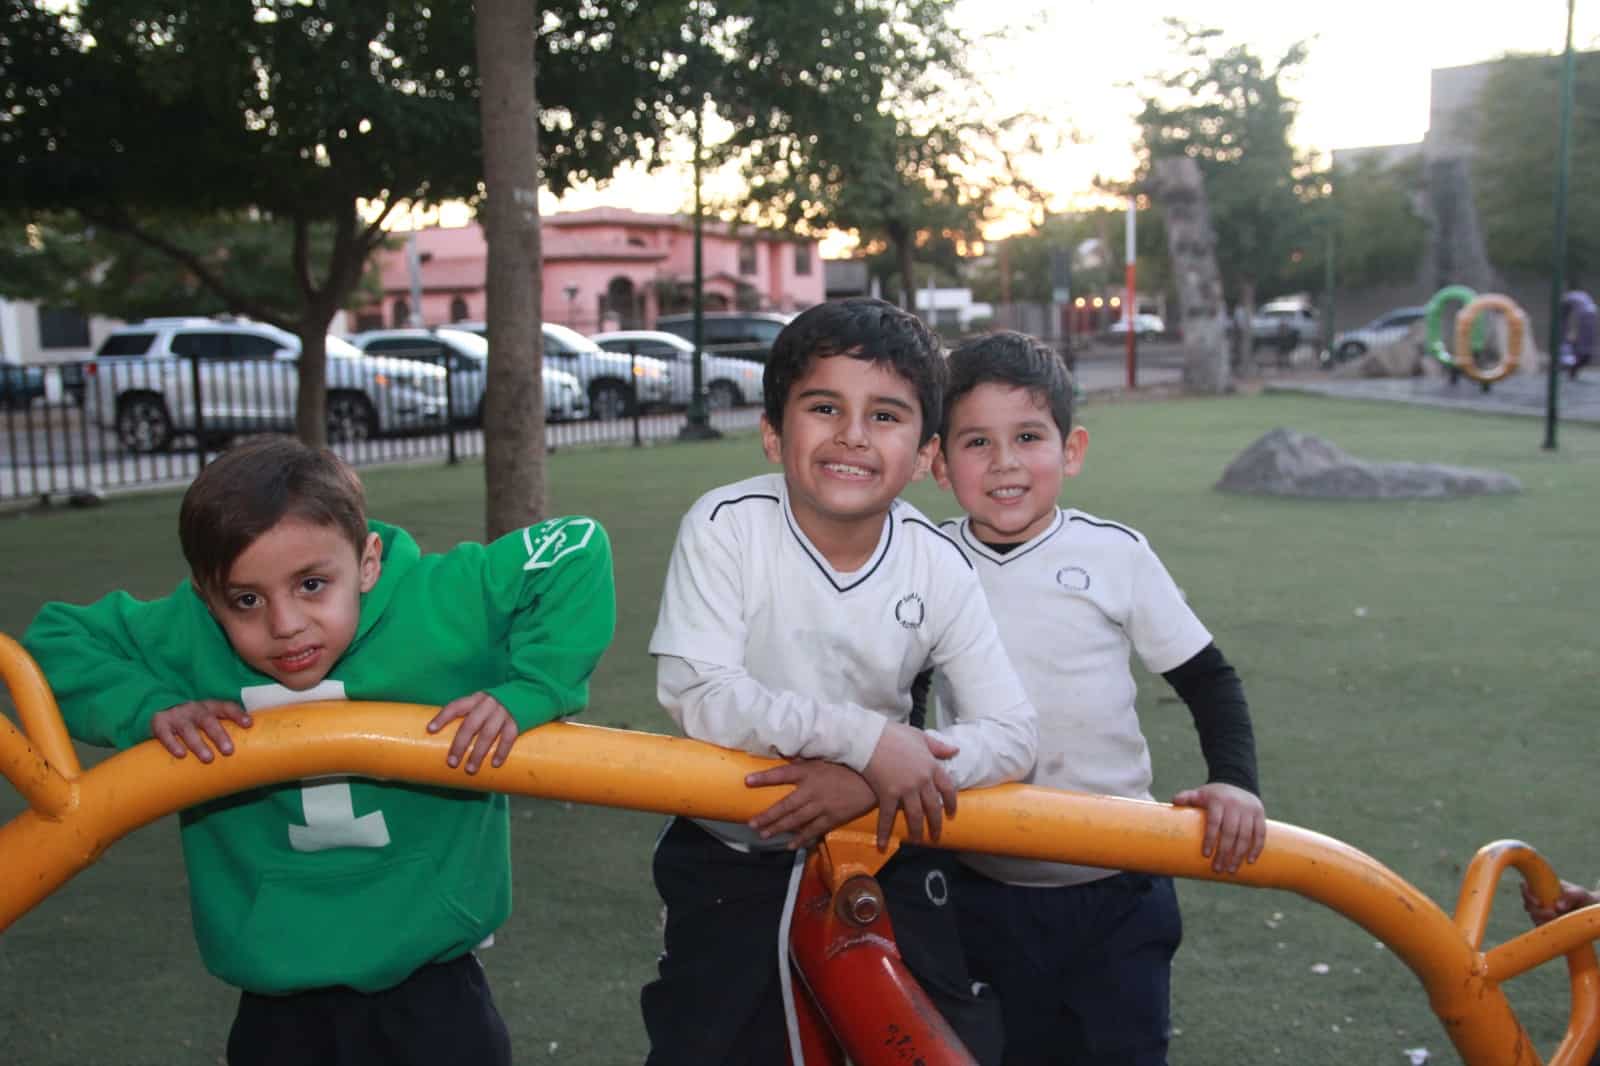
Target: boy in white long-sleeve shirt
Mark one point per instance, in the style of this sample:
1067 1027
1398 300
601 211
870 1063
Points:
797 612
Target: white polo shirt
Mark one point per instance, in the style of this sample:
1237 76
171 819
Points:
1071 605
764 647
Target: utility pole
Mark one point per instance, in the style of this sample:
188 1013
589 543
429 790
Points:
1131 301
1559 265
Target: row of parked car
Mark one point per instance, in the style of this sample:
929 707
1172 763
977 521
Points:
146 376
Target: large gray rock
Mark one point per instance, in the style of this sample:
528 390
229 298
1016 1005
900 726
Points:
1286 463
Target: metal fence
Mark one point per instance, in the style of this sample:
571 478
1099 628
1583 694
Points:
99 427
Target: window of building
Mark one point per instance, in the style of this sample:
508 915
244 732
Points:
802 260
63 327
400 314
747 256
458 309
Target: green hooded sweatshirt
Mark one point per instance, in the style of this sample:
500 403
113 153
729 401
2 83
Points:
349 881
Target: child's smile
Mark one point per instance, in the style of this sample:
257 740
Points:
1005 460
851 442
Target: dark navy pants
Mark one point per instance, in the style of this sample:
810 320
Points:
440 1015
1083 972
718 1002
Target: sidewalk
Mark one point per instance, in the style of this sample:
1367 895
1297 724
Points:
1523 394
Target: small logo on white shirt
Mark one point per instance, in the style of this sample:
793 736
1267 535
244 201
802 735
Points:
909 611
1075 578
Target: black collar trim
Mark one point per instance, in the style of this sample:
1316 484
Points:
999 559
822 564
741 499
941 534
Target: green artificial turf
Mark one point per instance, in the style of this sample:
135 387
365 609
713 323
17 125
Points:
1421 675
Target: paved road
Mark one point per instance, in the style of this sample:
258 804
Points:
1523 394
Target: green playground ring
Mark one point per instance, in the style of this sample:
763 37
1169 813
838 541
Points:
1434 344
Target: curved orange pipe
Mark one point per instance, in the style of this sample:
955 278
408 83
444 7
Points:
47 845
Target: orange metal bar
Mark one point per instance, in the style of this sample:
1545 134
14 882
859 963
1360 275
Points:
36 708
48 844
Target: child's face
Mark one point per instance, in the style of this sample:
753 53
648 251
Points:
1005 461
292 599
850 441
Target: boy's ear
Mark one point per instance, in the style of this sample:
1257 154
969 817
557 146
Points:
926 456
771 442
371 561
941 470
1074 448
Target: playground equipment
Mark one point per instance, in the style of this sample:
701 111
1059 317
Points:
1470 335
841 940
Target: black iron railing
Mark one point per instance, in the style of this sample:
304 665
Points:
112 424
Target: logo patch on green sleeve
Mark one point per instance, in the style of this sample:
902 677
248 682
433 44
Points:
550 542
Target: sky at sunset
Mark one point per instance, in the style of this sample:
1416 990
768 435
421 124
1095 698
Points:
1080 65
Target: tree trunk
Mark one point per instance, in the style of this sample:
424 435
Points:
1245 360
1455 252
311 401
1191 246
514 408
906 248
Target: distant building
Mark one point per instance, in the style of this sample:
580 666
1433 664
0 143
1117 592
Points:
604 267
33 333
843 278
952 310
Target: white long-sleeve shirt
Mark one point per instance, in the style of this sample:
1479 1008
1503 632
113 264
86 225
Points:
764 647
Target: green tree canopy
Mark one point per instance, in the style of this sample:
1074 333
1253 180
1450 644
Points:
1379 232
137 114
856 117
1229 110
57 258
162 120
1028 256
1514 129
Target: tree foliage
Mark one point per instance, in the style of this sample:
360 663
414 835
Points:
131 112
1229 110
1379 233
57 259
161 120
1095 268
1515 133
849 116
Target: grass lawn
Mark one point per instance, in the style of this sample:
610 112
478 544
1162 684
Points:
1422 677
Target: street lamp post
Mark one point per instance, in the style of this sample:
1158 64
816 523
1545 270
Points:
697 423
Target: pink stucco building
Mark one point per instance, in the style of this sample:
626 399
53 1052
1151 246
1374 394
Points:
605 266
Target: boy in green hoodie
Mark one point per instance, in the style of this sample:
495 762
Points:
346 909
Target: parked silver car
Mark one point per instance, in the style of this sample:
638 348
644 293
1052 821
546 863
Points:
728 382
607 378
145 375
1385 329
466 356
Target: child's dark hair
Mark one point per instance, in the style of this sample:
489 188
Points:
862 328
253 487
1015 359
